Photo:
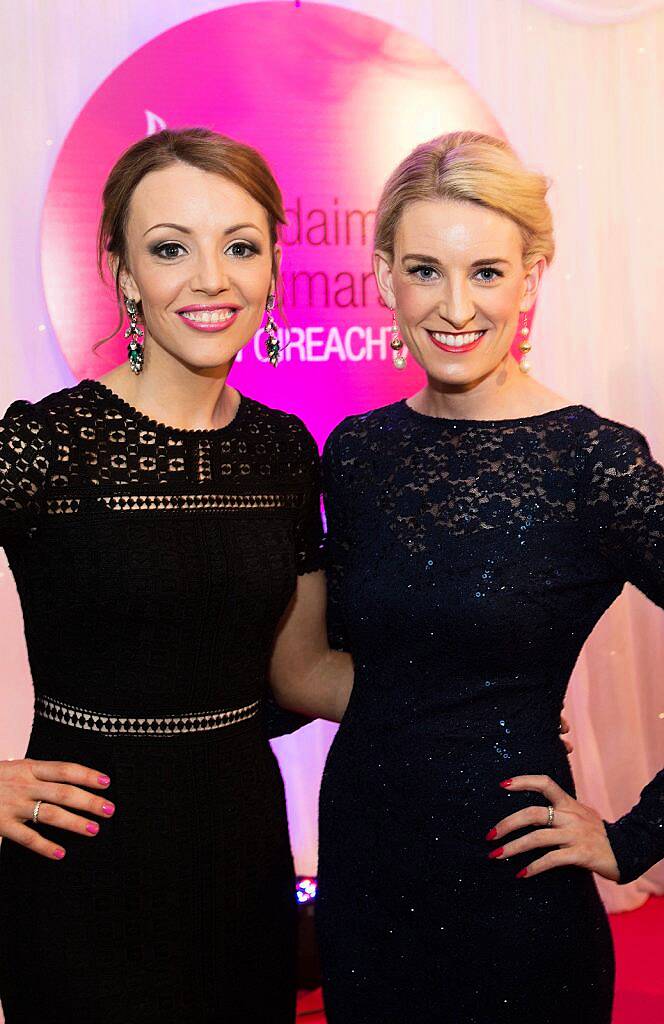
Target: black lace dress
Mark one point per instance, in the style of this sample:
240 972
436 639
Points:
153 565
468 562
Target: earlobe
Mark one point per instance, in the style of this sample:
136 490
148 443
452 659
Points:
532 283
124 279
383 274
128 288
276 263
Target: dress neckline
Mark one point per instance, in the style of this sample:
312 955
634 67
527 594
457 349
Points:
516 421
129 410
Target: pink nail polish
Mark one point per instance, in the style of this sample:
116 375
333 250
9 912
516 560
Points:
506 782
103 780
58 854
492 834
108 809
92 828
522 873
497 852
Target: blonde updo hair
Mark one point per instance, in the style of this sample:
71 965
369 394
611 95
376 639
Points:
469 167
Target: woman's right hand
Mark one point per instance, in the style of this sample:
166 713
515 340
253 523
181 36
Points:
57 785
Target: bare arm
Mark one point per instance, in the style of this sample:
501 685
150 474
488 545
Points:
306 676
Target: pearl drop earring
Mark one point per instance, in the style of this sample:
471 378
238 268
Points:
525 347
399 351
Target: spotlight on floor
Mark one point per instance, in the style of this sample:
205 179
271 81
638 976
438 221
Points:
308 960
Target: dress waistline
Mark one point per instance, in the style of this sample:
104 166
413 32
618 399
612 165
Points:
120 725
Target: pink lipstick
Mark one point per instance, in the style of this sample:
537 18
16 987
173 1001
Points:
458 343
209 318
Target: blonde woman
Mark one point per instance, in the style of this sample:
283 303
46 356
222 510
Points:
477 532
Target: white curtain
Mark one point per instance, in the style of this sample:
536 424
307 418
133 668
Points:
578 90
600 12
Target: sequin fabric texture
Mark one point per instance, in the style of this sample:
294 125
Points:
467 564
153 565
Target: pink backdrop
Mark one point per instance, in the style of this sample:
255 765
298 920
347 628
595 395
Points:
335 102
598 337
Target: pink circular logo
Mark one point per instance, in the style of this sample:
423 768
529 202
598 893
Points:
334 100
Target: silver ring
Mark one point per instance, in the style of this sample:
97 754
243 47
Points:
549 820
35 812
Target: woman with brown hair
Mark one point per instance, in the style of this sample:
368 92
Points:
476 533
158 524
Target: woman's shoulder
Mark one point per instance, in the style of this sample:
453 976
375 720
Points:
601 438
357 431
28 445
278 426
75 401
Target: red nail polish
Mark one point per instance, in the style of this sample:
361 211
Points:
522 873
506 782
497 852
492 834
58 854
108 808
103 780
92 828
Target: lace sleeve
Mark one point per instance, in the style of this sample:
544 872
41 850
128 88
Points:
623 507
336 545
24 465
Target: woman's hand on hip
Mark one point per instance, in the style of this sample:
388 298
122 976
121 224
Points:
577 832
39 792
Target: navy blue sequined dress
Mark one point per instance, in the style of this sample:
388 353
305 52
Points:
468 562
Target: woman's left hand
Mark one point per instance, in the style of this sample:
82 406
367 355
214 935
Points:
576 831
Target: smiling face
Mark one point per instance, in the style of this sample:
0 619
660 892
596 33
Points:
458 283
199 259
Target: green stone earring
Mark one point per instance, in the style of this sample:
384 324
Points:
272 338
134 333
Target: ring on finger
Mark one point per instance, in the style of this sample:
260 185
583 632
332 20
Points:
35 812
550 812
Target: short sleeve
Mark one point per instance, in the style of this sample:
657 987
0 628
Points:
623 510
336 546
24 463
309 526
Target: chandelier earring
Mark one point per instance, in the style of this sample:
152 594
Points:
271 336
134 333
399 350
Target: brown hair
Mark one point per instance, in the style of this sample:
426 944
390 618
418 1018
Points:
199 147
473 168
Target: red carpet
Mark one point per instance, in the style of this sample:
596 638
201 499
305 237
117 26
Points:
639 940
